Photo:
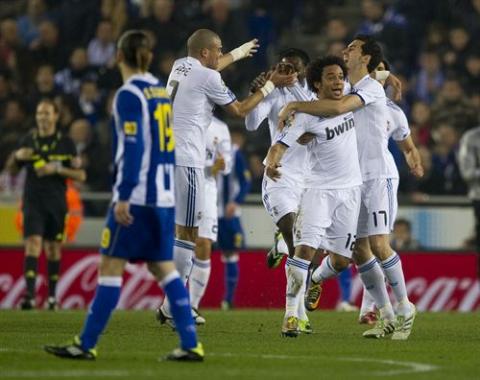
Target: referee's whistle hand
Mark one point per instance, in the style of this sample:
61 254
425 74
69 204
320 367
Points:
122 213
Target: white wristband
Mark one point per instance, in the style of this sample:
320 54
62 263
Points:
267 88
382 75
237 54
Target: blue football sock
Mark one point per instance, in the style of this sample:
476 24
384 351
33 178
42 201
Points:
105 301
345 282
231 279
181 310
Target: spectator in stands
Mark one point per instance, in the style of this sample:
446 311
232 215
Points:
389 28
429 78
444 160
459 46
421 117
90 101
261 26
337 30
401 238
68 111
78 20
101 49
29 23
44 86
70 78
116 12
95 159
164 65
430 183
453 107
472 73
336 48
14 55
46 49
6 90
13 126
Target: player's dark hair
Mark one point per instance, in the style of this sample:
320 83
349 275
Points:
294 52
315 69
386 64
136 48
405 222
372 48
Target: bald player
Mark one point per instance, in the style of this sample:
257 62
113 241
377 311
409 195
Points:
196 87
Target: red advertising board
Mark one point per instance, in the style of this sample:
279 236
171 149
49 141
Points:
435 281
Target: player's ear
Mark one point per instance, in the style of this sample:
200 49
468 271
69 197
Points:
119 56
317 85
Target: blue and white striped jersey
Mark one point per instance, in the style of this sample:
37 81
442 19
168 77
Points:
143 143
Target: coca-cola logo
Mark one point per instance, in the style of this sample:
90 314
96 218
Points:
77 284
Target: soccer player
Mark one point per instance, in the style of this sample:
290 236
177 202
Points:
369 104
195 87
232 189
50 158
140 221
331 202
281 198
399 131
218 161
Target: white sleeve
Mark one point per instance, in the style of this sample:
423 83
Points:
255 117
370 91
217 91
224 147
402 130
290 135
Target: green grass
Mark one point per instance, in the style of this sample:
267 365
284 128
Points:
243 345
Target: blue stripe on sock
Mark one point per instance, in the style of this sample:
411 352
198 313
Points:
298 263
391 262
367 267
181 244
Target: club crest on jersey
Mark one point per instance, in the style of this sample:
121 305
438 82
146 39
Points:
130 128
339 129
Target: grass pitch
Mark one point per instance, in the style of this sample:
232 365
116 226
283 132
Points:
243 345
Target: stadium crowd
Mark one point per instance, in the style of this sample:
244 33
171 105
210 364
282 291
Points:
65 50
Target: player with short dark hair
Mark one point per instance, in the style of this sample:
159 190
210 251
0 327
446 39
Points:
140 222
50 158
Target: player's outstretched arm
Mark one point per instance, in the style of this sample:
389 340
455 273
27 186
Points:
242 108
274 156
322 107
248 49
412 156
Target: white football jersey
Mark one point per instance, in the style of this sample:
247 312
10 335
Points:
371 124
194 91
218 142
397 129
293 163
332 155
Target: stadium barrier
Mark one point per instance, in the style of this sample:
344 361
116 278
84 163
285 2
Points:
436 281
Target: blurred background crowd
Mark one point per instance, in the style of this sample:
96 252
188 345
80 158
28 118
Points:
65 49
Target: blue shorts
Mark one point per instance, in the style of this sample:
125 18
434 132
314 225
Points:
149 238
230 234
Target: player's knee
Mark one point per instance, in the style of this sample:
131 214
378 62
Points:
304 252
53 251
203 248
33 245
339 263
186 233
380 246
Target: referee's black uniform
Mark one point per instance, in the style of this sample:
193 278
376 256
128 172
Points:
44 198
45 204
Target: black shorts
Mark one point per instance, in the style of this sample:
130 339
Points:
45 220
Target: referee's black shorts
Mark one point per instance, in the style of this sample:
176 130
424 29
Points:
46 220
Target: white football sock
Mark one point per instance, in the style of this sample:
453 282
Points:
297 271
372 277
324 271
198 280
368 303
392 267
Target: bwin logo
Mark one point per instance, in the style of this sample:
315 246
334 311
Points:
339 129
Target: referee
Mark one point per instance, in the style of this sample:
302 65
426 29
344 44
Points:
50 158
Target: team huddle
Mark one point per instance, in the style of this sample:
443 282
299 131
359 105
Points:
330 182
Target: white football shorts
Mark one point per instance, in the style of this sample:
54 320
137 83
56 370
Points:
189 195
378 208
280 201
328 220
208 227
